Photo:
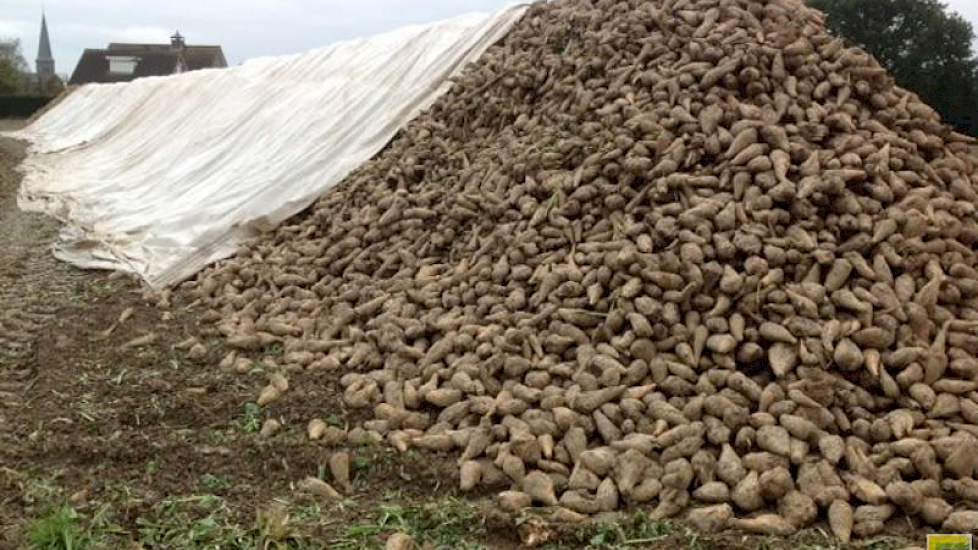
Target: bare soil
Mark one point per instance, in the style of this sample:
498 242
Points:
148 448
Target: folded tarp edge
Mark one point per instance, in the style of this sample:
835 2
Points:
163 176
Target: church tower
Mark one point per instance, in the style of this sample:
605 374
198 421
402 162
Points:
45 63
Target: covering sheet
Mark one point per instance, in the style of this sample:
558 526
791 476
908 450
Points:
164 175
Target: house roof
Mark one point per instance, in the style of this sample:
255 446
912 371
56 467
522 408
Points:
151 60
204 57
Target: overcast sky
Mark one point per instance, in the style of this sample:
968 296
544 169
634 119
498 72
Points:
245 28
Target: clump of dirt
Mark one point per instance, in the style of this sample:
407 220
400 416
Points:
658 252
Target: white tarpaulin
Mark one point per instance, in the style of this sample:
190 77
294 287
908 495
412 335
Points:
165 175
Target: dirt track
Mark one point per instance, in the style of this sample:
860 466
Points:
122 446
33 286
32 283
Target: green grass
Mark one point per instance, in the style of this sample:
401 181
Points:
636 531
376 460
250 421
214 484
818 539
83 293
274 350
188 522
204 522
60 529
446 524
196 522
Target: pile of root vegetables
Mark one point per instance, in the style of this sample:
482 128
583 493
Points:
661 253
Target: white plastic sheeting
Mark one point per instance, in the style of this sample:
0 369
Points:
165 175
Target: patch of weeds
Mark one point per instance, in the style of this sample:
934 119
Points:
273 523
250 421
819 539
274 350
306 521
214 484
204 522
372 461
104 529
37 491
444 524
102 289
59 529
257 368
826 546
814 539
308 513
369 459
335 421
191 522
885 543
361 464
85 292
78 296
637 531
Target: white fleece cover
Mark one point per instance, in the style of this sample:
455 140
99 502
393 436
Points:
165 175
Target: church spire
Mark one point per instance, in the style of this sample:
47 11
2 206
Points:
45 62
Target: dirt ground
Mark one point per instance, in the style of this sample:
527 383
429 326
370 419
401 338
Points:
112 436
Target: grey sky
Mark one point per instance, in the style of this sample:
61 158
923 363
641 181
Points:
967 8
245 28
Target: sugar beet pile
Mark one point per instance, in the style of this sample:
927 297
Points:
663 252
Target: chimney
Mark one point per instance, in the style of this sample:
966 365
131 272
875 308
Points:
176 42
178 45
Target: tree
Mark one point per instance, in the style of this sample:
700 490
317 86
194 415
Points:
926 47
12 66
54 86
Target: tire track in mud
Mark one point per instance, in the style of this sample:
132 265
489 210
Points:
34 286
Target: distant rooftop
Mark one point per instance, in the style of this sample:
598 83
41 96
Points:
123 62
